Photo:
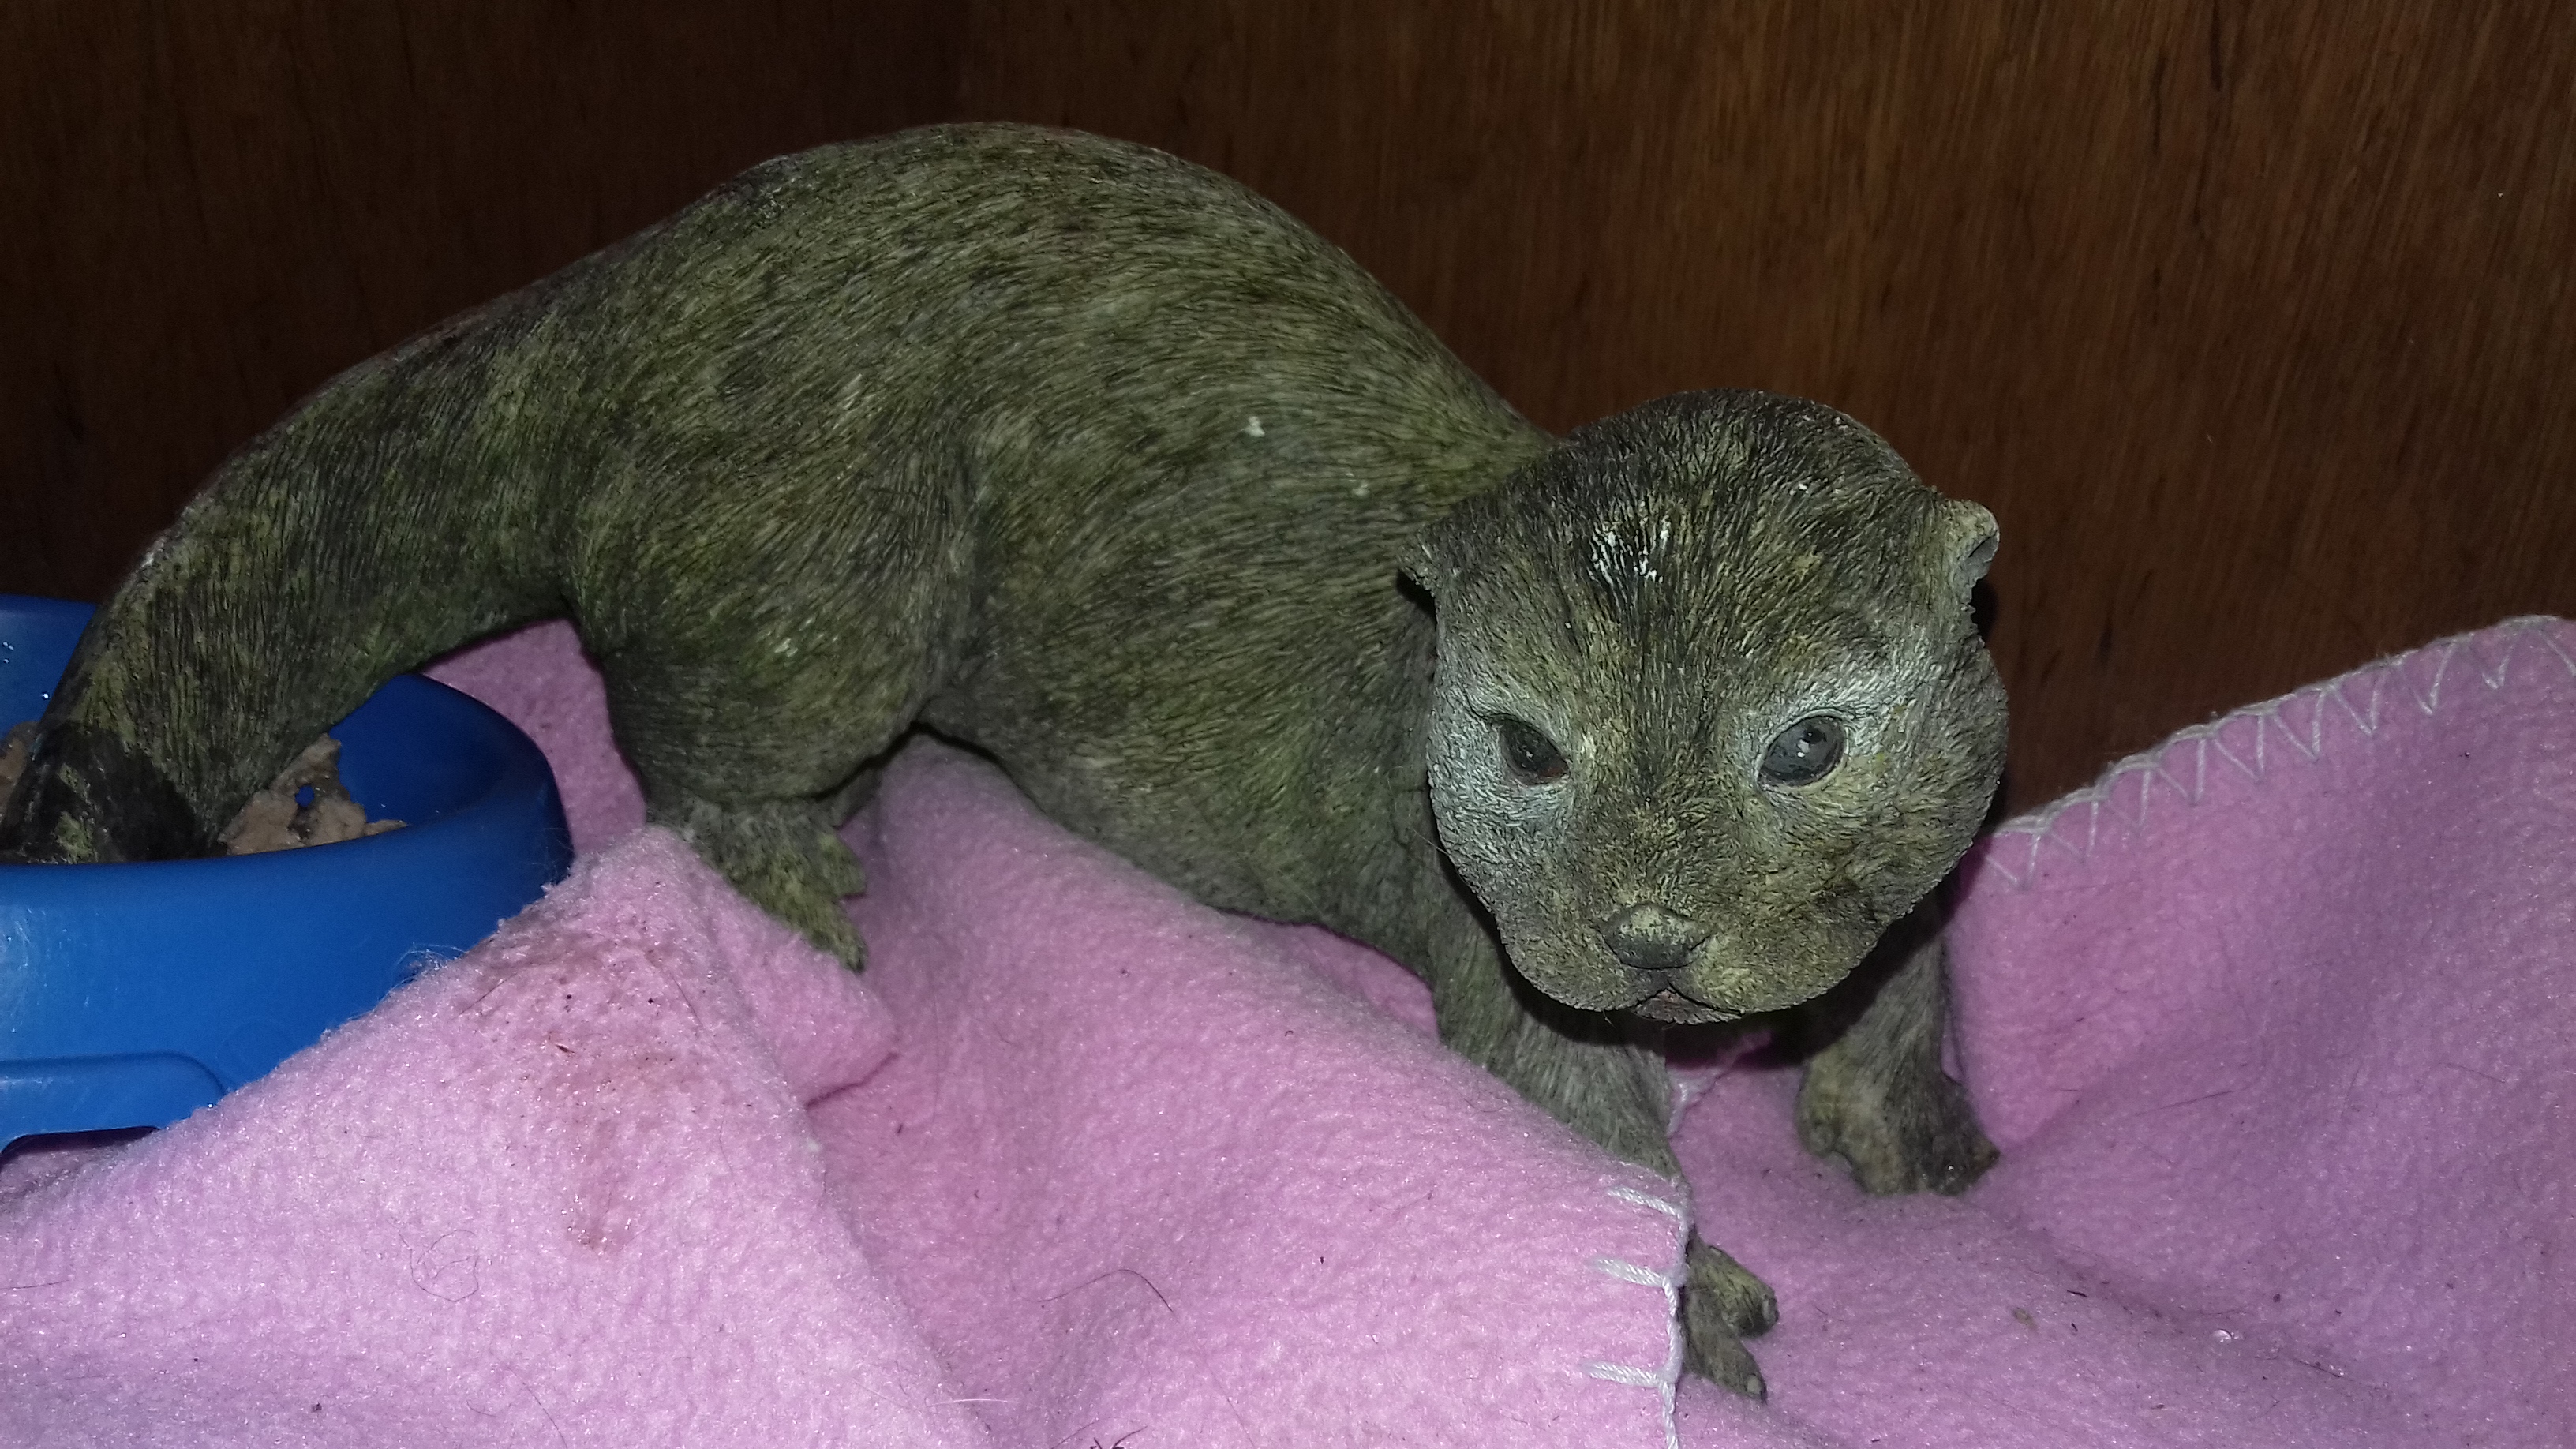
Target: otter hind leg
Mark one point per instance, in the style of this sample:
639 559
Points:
783 855
751 778
749 731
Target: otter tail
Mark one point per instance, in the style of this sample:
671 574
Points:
400 512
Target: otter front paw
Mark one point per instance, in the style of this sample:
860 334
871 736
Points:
786 859
1722 1305
1905 1129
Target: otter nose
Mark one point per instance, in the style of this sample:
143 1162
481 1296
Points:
1651 938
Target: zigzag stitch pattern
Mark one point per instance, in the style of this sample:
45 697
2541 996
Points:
2297 720
1664 1380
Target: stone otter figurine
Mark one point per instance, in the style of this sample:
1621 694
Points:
1095 461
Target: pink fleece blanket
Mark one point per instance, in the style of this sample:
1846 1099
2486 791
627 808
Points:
2274 1026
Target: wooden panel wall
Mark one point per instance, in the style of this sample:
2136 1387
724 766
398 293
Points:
2249 320
208 207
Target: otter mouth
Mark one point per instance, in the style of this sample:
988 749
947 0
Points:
1671 1006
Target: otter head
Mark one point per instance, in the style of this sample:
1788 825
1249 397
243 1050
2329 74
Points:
1710 710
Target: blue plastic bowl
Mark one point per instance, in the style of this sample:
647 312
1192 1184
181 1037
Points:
132 995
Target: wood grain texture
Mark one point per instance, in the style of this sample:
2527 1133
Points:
208 208
2249 321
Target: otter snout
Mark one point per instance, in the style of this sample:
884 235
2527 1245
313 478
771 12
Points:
1651 937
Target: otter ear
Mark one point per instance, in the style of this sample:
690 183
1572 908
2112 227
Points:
1966 537
1430 561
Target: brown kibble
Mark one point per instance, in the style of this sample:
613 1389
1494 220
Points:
275 820
272 820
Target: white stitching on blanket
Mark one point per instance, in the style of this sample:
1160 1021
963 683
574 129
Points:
1638 1273
1665 1206
2074 824
2315 742
2429 698
2549 641
2366 720
1671 1283
2254 768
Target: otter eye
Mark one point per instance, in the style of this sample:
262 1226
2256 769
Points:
1805 752
1532 757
